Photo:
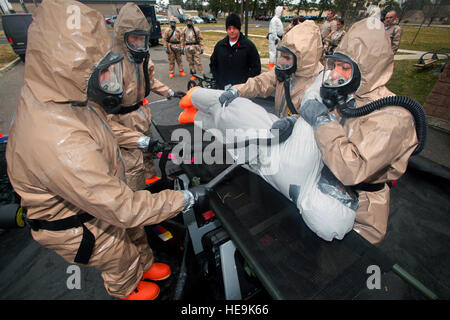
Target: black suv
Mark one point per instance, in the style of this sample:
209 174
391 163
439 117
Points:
155 25
16 31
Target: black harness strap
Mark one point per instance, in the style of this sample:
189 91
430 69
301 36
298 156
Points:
125 110
146 76
369 187
87 242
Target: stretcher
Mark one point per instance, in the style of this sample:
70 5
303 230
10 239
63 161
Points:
265 228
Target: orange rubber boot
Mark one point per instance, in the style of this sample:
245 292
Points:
186 101
193 78
144 291
187 116
182 74
270 66
158 271
171 75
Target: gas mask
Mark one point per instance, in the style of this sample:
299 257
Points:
285 63
137 43
189 23
173 25
105 83
341 77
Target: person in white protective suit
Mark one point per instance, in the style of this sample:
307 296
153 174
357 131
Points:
275 35
293 168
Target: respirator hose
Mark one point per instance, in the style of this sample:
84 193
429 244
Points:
411 105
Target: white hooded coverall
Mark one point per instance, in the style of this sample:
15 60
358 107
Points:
275 33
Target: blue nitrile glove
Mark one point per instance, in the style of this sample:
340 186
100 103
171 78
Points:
315 113
228 96
167 50
284 126
201 51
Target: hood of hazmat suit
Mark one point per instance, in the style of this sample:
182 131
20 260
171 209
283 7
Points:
278 11
130 18
293 167
305 42
374 148
63 160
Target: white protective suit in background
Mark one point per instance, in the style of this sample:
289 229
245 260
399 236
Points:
275 33
292 167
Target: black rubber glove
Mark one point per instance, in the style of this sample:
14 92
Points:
201 198
284 126
155 146
176 94
179 94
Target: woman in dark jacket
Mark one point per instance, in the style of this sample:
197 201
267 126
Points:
235 58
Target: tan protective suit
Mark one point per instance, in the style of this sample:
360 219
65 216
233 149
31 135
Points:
192 42
303 40
133 125
328 27
172 42
374 148
64 160
333 39
395 34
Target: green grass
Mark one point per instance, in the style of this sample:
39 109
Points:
412 82
6 55
428 39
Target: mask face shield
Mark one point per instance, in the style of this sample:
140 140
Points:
341 78
110 79
285 63
337 73
285 60
137 41
105 83
173 24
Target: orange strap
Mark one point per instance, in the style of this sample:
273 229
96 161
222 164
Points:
151 180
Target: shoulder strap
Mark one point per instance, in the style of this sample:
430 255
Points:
146 76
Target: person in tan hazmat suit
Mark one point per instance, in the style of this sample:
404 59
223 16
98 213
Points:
304 44
192 46
131 35
172 45
65 163
369 150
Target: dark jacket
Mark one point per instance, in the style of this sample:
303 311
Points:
234 65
